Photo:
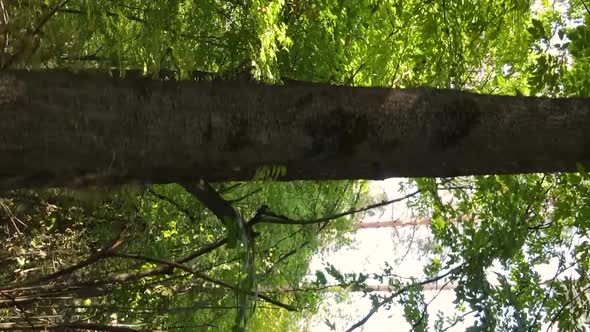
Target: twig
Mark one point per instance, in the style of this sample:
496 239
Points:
458 320
12 217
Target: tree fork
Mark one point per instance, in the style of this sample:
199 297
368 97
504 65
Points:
59 128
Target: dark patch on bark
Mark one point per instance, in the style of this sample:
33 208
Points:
304 101
388 144
451 125
377 167
142 90
239 137
337 133
43 176
208 132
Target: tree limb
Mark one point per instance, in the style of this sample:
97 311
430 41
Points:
267 216
221 208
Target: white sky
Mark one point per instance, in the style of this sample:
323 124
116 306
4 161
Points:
371 249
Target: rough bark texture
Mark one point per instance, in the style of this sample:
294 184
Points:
59 128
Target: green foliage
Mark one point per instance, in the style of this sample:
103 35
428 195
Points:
519 223
165 222
270 173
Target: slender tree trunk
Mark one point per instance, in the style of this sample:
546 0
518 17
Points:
59 128
409 222
433 286
394 223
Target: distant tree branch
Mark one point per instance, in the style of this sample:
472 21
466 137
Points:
425 309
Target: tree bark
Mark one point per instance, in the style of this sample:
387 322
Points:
65 129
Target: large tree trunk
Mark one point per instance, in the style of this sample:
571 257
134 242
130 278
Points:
59 128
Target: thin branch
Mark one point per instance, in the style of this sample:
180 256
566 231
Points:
548 293
104 252
283 258
204 250
162 269
230 187
267 216
110 14
49 16
351 78
394 295
253 192
73 325
205 277
12 217
458 320
425 309
169 200
567 304
17 305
